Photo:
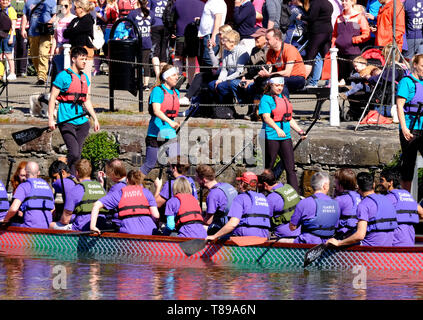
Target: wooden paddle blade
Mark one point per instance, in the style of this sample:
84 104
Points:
314 253
248 240
191 247
27 135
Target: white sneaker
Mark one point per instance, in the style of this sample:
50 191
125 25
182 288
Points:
184 101
11 77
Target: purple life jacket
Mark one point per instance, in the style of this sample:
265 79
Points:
386 217
326 219
406 207
4 201
412 107
348 218
258 216
40 198
230 194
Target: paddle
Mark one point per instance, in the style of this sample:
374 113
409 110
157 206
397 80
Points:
314 253
27 135
80 233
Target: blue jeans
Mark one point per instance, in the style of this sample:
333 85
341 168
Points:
225 91
206 61
316 73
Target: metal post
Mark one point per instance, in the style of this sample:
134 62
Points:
394 48
334 106
66 53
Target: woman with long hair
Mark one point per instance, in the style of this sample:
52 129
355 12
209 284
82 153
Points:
80 31
19 176
277 115
163 108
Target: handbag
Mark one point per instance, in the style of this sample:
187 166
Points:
98 37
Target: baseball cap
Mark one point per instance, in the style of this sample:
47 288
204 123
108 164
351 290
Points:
247 177
259 32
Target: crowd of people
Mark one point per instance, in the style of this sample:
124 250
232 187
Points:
361 211
250 55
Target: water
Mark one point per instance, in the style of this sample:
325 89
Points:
27 277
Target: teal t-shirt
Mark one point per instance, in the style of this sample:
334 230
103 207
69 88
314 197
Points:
267 104
407 90
157 127
67 110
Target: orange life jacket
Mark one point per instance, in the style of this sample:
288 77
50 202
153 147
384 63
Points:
189 211
77 91
169 106
133 202
283 110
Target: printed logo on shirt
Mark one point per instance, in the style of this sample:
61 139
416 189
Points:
417 21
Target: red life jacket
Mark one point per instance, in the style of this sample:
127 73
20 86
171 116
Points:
283 110
77 91
125 6
169 106
189 211
133 202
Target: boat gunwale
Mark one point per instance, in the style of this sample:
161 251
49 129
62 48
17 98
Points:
158 238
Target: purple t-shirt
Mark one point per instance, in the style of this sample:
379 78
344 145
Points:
80 222
305 210
68 182
143 225
157 9
276 204
404 234
366 210
345 203
184 16
32 218
216 200
413 22
144 26
240 205
164 193
195 230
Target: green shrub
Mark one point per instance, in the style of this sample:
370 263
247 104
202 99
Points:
99 147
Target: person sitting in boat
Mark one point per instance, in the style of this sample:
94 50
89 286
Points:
282 199
249 214
59 171
179 167
114 170
408 210
135 205
318 215
19 176
34 198
219 199
81 200
376 217
183 213
348 199
4 201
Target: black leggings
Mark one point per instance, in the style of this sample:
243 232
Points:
318 42
74 137
284 149
145 58
409 152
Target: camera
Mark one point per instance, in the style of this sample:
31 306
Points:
243 83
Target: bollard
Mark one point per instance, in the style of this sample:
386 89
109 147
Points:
334 106
66 53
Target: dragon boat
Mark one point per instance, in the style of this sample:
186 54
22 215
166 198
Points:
31 241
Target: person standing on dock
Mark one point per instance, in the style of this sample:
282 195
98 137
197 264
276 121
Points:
318 215
249 214
135 205
282 199
81 200
183 213
34 198
408 210
376 217
219 199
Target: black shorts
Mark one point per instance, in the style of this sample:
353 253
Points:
180 47
159 39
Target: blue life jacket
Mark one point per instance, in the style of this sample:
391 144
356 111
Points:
412 106
348 218
4 200
385 219
258 216
40 198
324 222
406 207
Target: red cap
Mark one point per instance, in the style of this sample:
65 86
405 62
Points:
247 177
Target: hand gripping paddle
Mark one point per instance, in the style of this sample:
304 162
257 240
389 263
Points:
27 135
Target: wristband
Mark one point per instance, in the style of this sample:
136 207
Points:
301 133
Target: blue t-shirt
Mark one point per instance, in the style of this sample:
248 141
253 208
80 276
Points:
157 127
157 8
407 90
267 104
42 14
144 26
67 109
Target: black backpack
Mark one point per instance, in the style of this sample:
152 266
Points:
5 24
285 18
